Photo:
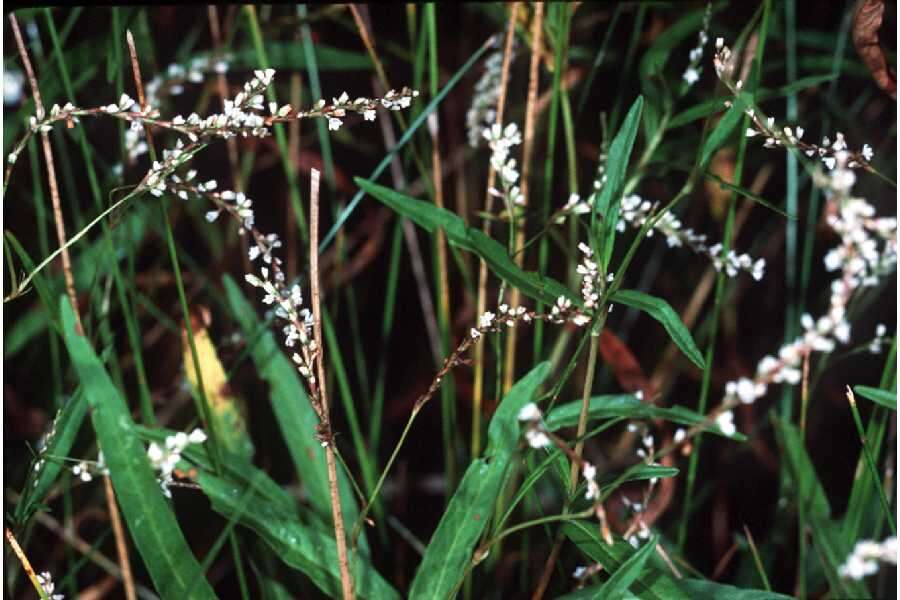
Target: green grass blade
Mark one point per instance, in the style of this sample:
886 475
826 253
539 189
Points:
617 585
660 310
310 549
291 407
159 540
885 398
650 585
710 590
450 549
627 406
827 538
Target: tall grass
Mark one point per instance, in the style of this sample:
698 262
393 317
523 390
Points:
531 395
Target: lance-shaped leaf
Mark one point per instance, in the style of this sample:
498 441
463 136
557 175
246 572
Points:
660 310
652 584
885 398
630 407
430 218
606 204
471 507
157 536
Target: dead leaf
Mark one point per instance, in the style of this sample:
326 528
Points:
867 21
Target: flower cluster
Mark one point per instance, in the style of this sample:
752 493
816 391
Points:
483 111
46 582
636 211
86 470
535 430
172 79
867 249
864 559
340 106
879 340
501 140
590 281
775 136
692 72
164 459
42 446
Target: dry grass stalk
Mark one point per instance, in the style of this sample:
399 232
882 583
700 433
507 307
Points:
537 32
325 426
51 176
481 303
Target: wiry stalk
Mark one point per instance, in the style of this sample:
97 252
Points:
325 425
51 176
481 303
537 32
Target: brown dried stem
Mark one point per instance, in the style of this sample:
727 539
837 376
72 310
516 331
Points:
481 303
51 176
325 426
537 31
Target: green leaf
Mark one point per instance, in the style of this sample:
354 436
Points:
310 549
714 105
157 536
65 427
430 217
652 584
660 310
290 404
710 590
629 407
606 203
616 587
471 506
885 398
724 127
827 539
747 194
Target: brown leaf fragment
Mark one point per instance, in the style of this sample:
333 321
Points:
867 20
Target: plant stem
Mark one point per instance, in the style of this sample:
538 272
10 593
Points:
325 425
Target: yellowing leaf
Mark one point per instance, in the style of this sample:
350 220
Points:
225 408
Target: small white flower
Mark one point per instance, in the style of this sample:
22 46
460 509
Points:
334 124
725 421
529 412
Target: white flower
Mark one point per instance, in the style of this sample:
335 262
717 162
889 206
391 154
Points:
197 436
691 75
369 115
12 86
725 421
47 584
537 438
486 320
529 412
867 152
334 124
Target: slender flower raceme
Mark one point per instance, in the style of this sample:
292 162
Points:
694 69
483 111
867 250
166 457
46 581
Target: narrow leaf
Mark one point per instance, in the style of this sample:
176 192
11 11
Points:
616 587
660 310
606 204
157 536
630 407
885 398
470 508
652 583
430 217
